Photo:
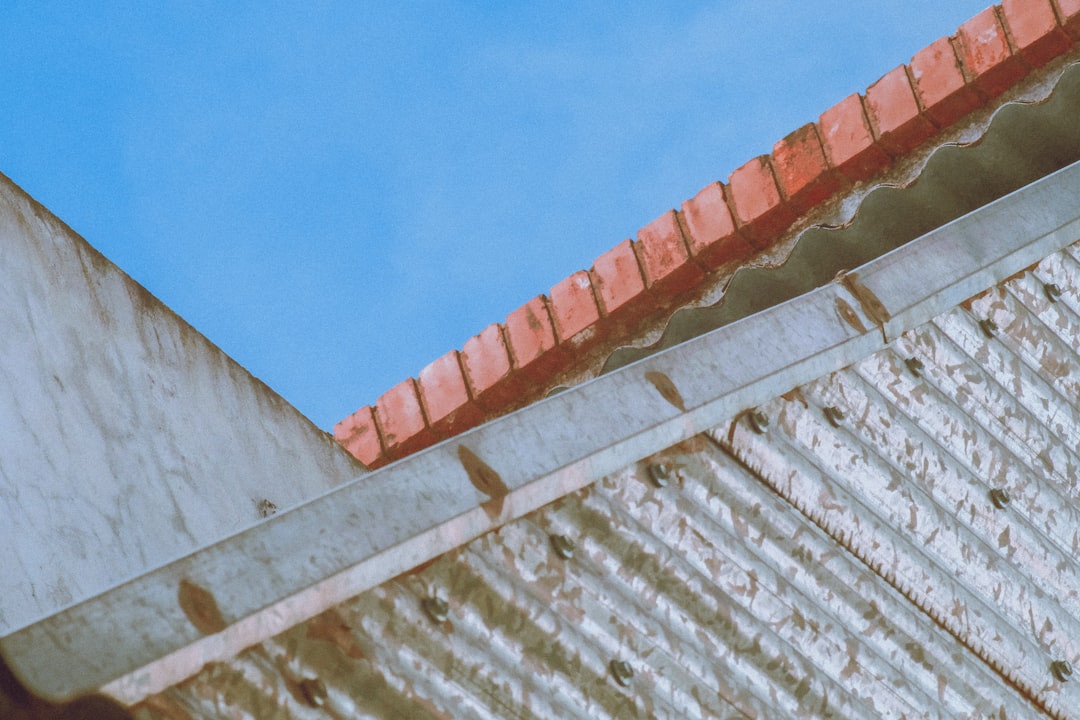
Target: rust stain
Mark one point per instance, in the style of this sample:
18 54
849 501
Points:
870 303
331 627
666 388
200 607
486 480
848 315
796 395
689 446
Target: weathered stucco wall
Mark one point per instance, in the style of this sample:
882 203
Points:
127 439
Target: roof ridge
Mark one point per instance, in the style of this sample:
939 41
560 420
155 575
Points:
513 363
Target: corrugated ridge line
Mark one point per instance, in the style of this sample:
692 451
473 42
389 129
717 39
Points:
845 538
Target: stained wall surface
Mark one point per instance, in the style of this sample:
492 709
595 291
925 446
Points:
127 439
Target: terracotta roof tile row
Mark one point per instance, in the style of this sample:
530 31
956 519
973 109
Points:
519 359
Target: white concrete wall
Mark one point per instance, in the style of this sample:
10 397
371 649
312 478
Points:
127 439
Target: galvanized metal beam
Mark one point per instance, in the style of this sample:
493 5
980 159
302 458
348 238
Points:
157 629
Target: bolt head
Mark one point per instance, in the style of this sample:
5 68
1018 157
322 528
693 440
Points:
660 474
834 415
314 691
564 546
915 366
1053 292
759 421
1000 497
622 672
1062 670
436 609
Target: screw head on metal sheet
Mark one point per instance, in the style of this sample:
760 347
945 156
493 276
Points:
1000 498
1062 670
989 327
622 672
759 421
1053 292
834 415
660 474
564 546
314 691
915 366
436 609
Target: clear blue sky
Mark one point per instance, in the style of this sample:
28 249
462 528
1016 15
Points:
337 193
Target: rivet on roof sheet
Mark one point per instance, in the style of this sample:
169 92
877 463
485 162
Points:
622 672
660 474
314 691
1053 292
834 415
915 366
564 546
436 609
989 327
1062 670
759 421
1000 498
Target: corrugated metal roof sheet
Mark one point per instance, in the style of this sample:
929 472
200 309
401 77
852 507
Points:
894 539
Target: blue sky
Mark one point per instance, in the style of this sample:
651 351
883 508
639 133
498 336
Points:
337 193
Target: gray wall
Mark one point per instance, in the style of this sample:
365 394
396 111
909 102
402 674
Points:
127 439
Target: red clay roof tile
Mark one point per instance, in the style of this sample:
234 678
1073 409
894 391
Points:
1035 31
760 211
532 338
665 258
894 113
985 52
445 396
620 286
485 358
360 436
710 229
401 419
802 170
940 85
573 306
1069 14
849 141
